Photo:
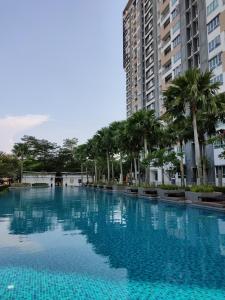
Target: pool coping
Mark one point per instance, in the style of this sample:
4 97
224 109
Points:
175 201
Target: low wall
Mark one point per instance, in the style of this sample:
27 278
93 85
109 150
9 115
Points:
31 179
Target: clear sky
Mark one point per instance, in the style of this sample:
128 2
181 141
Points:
61 69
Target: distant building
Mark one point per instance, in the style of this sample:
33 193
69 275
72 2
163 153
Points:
39 177
55 179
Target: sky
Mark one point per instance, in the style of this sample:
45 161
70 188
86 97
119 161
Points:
61 73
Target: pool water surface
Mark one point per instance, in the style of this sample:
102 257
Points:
76 243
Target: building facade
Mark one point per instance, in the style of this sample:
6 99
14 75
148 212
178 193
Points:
161 40
140 55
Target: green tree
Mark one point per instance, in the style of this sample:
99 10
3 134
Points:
193 93
21 151
9 165
163 158
146 130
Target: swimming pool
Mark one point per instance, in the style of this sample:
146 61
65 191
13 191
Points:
84 244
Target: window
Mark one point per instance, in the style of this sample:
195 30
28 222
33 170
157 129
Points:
151 106
149 84
176 26
212 6
177 71
222 170
176 41
173 2
176 57
150 96
175 12
214 43
218 78
213 24
215 61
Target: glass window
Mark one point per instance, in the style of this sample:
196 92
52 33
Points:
212 6
214 43
176 41
213 24
176 57
215 61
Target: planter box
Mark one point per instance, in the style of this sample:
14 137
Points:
19 187
163 193
119 187
148 191
193 196
100 186
109 187
132 190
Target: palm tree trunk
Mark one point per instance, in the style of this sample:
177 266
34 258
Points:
108 167
163 181
182 165
96 174
121 169
21 170
139 177
131 173
146 154
197 150
204 164
81 169
145 147
135 170
112 172
87 174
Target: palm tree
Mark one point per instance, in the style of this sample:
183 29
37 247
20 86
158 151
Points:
81 156
120 145
193 93
21 151
178 131
105 146
144 129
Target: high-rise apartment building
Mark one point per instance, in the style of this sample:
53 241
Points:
141 55
164 38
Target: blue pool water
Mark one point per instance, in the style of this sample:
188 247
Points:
84 244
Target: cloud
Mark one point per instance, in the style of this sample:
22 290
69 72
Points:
10 126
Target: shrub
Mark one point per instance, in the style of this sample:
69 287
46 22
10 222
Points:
220 189
169 187
3 188
17 184
147 185
202 188
40 185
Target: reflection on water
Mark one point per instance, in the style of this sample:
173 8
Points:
111 236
